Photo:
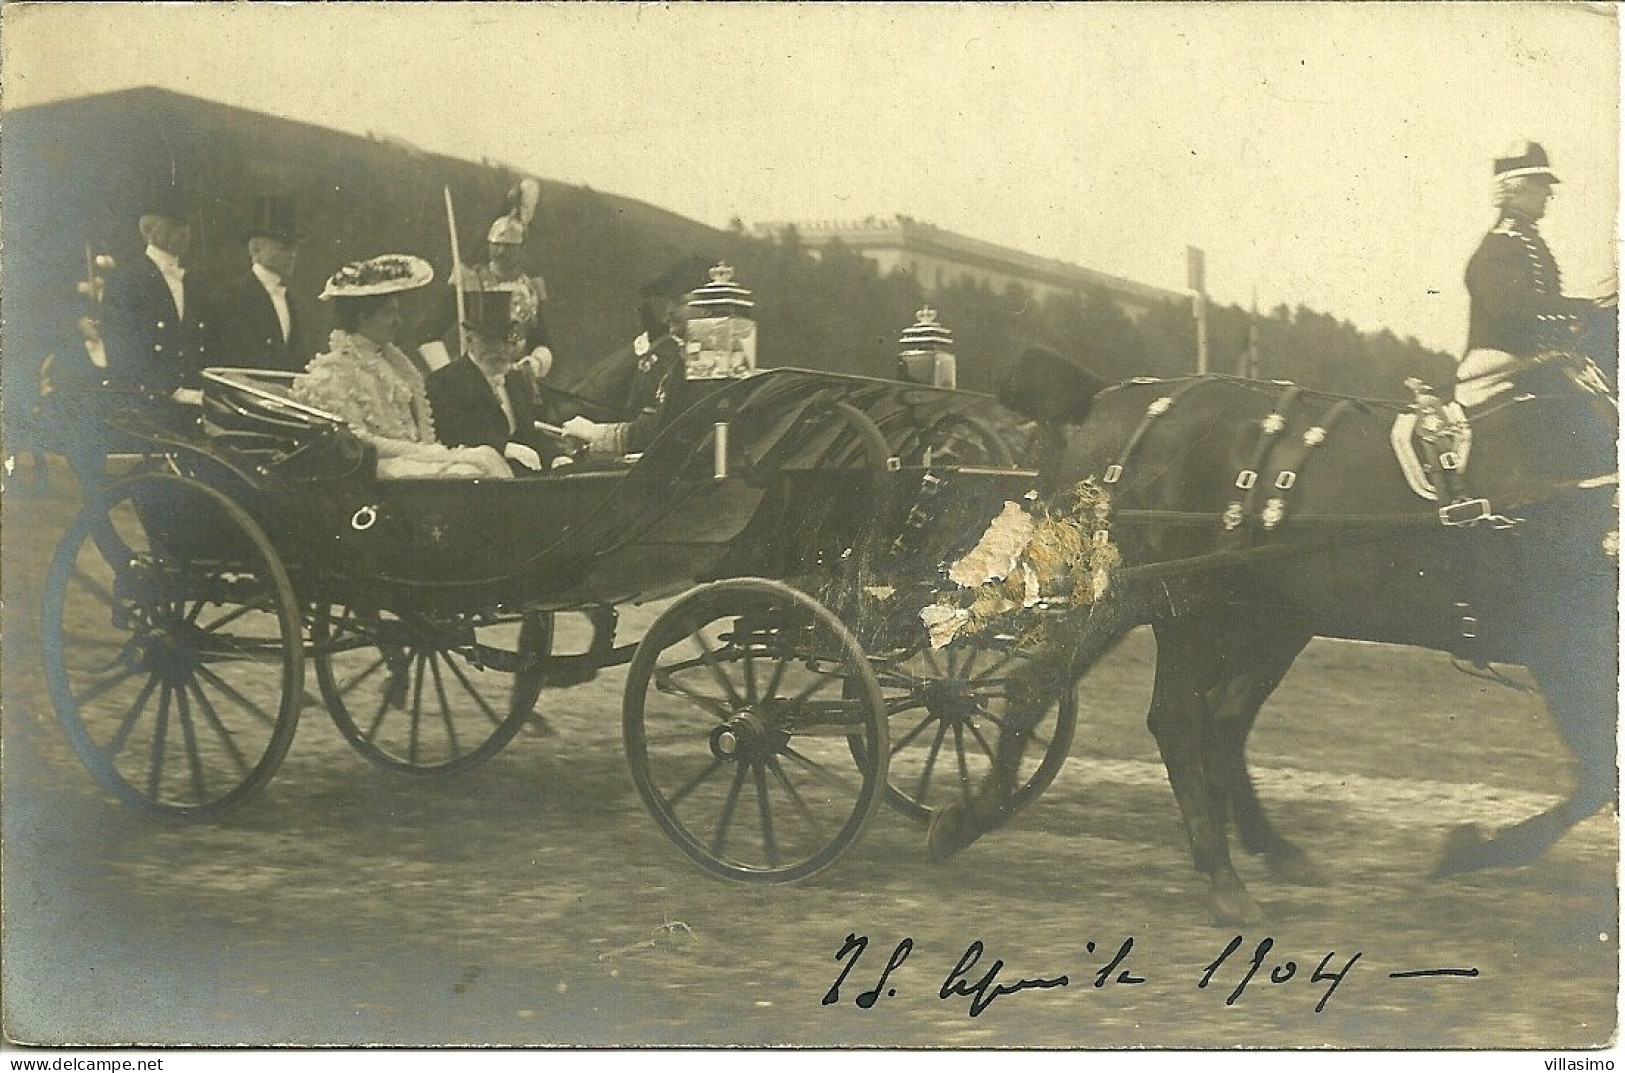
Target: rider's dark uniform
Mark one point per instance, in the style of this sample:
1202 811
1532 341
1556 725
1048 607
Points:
1518 305
1518 310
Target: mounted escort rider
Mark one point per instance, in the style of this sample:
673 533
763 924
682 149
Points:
1519 317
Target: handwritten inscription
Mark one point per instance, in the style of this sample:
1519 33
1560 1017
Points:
982 979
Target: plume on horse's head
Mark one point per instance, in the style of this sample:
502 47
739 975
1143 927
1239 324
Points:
1049 388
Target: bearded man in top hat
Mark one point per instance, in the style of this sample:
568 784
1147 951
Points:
481 399
153 318
253 322
502 271
1518 312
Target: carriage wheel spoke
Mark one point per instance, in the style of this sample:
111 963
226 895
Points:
352 684
780 665
725 820
417 706
902 743
820 681
764 806
714 705
931 761
468 687
212 717
694 783
112 683
225 687
987 748
796 799
242 609
964 768
820 771
189 738
709 658
160 736
749 668
127 724
95 588
445 707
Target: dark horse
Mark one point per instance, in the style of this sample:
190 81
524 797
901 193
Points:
1253 516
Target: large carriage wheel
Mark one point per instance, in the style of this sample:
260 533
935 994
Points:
425 694
754 730
946 710
172 647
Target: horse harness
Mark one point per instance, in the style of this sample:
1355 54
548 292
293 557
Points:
1262 489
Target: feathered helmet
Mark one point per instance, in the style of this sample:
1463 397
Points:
510 228
387 274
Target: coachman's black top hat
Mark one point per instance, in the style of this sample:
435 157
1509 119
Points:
274 218
164 197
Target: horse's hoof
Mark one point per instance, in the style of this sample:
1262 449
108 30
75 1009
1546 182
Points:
1233 907
951 830
1465 850
1294 866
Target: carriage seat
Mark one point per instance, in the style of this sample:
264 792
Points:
250 413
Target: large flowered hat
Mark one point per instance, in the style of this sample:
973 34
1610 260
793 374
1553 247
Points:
387 274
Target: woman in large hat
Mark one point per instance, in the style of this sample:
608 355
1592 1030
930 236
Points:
369 382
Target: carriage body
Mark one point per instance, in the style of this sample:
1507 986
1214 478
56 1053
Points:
777 503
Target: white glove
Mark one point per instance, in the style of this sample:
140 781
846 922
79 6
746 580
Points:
583 429
188 396
538 362
435 355
525 456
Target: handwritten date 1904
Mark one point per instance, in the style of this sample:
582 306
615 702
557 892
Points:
968 978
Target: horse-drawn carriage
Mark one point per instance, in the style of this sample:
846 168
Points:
767 710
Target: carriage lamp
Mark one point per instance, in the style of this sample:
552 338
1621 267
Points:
721 329
926 355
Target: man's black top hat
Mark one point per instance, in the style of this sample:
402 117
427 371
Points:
164 197
489 314
274 218
680 278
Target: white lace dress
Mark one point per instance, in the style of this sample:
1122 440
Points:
380 395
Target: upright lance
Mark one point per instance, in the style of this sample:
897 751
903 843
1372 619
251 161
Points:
457 275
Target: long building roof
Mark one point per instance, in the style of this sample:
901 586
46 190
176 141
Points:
904 233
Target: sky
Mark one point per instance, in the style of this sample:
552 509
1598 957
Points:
1335 156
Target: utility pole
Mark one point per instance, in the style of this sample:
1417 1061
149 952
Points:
1252 364
1196 283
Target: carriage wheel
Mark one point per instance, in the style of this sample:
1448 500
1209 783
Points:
751 717
429 695
946 709
172 647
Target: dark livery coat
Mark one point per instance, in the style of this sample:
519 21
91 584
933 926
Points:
653 378
149 348
243 328
467 412
1518 304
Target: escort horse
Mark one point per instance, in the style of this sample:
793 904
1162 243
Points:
1253 516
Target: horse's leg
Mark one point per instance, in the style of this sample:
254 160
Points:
1580 695
1570 635
1235 707
1191 659
1054 665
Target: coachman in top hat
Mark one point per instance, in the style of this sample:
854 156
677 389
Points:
153 318
253 323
